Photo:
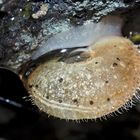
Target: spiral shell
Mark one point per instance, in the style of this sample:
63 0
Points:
86 84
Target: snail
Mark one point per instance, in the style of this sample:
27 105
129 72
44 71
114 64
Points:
86 72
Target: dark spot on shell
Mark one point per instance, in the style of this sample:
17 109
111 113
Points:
115 45
91 102
108 99
115 64
106 82
75 101
60 80
36 86
96 62
30 86
118 59
47 97
60 101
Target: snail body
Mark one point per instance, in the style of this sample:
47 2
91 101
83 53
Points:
80 36
86 84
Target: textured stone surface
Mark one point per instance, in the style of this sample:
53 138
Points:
21 34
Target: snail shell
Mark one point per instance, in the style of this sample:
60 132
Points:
86 84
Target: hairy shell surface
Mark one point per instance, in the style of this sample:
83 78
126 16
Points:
85 83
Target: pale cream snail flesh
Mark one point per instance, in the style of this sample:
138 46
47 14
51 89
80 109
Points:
85 73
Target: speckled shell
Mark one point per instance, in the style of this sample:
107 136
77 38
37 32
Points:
105 79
